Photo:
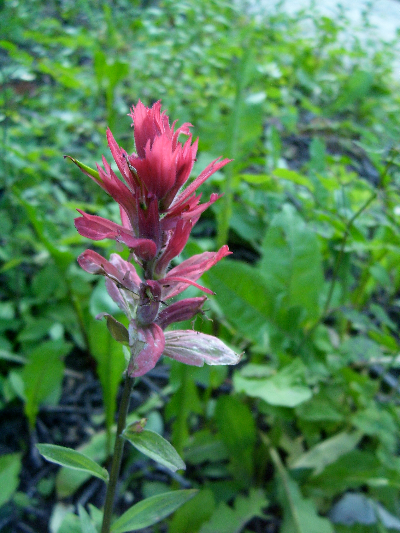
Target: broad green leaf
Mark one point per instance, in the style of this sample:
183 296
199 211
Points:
68 481
228 520
328 451
325 406
357 87
286 388
243 296
72 459
378 422
70 523
205 446
43 375
293 176
193 513
155 447
238 432
151 511
291 264
353 470
299 514
85 520
96 516
10 467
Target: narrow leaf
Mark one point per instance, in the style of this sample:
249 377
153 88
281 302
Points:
87 170
72 459
156 447
152 510
10 467
110 366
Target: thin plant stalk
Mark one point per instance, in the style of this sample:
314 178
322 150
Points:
242 78
117 455
338 263
341 252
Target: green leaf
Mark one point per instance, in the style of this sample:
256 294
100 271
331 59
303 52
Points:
118 331
68 481
238 432
378 422
156 447
10 467
152 510
328 451
324 406
228 520
110 366
291 264
294 177
62 258
299 514
184 401
43 375
243 296
70 523
358 86
87 170
8 356
72 459
194 513
351 471
286 388
205 446
86 523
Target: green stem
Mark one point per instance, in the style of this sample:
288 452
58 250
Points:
242 77
117 456
337 265
341 252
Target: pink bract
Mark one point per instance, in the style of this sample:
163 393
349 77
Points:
154 178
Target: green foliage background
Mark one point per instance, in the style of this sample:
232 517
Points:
310 115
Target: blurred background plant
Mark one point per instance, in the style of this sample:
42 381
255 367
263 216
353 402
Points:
302 437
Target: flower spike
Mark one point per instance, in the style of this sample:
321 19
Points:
158 210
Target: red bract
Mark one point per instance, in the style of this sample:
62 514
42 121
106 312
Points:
157 216
154 177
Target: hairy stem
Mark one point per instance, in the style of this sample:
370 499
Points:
117 456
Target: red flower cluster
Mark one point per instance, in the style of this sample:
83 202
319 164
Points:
157 216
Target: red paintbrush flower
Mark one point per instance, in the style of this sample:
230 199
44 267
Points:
156 215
